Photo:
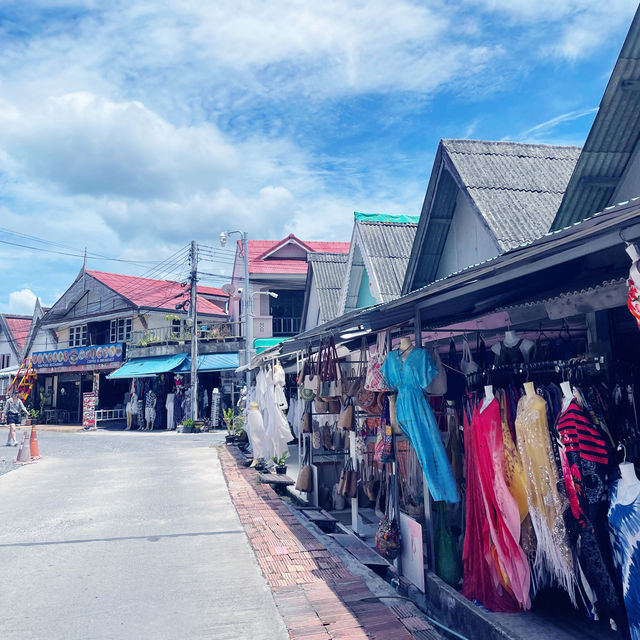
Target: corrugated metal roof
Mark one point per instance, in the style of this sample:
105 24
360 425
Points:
328 274
388 247
516 187
611 140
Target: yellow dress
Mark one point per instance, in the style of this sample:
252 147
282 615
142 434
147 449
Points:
553 564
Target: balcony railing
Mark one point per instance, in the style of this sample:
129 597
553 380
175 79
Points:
285 326
170 335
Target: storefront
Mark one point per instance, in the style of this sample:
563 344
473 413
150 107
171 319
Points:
64 375
530 529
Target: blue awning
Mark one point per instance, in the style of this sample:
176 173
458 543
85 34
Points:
212 362
148 367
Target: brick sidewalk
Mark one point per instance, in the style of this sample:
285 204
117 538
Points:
317 596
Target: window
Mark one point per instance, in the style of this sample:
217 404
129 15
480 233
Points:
78 336
5 360
120 330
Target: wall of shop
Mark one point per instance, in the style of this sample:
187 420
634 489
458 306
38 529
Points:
468 241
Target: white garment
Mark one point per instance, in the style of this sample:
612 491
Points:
293 415
276 427
169 406
279 382
132 407
256 434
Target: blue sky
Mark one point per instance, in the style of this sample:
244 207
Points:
131 128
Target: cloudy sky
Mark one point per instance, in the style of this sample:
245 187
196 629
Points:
131 128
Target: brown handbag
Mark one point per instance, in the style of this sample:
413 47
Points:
334 406
367 400
345 420
327 439
305 477
352 483
306 423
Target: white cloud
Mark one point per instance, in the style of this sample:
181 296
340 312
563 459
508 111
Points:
544 128
22 302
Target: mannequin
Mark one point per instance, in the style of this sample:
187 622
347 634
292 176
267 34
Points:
131 409
150 410
529 389
256 434
406 347
629 485
488 397
170 411
567 394
510 341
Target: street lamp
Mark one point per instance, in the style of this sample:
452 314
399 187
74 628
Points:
247 299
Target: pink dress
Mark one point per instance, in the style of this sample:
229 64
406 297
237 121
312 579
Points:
479 578
507 560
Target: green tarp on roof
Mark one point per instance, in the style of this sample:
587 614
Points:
147 367
385 217
262 344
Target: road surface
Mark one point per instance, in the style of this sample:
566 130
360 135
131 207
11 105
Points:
118 535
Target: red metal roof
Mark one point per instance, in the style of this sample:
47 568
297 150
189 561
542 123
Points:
19 327
157 294
258 248
212 291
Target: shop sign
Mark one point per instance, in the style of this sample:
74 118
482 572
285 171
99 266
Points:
89 400
412 551
78 356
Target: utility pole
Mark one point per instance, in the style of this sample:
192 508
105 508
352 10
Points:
248 309
193 312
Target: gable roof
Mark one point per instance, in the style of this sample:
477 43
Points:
258 249
17 329
612 139
212 291
387 247
155 294
382 248
327 271
514 187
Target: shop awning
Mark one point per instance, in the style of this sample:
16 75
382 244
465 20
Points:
148 367
212 362
9 372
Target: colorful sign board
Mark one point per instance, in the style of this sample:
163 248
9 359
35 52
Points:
89 400
78 356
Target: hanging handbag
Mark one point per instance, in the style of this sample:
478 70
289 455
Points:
326 436
321 406
316 437
334 406
307 423
366 400
305 477
338 440
352 482
388 538
384 443
338 499
438 386
393 416
345 419
310 381
374 379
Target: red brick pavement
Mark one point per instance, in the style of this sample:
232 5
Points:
317 596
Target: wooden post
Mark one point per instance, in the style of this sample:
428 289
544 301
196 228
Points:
428 506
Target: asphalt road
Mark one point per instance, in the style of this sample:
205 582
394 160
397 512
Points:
116 535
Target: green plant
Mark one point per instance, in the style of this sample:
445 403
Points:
227 416
34 414
188 423
238 425
280 461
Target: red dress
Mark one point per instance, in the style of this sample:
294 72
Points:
482 580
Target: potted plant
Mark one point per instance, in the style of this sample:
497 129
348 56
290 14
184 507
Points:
242 439
34 414
281 467
227 416
187 425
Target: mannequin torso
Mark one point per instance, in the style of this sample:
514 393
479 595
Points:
511 340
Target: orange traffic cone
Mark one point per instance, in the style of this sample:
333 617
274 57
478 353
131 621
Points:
33 444
23 451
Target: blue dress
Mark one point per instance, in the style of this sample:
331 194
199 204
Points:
415 417
624 527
